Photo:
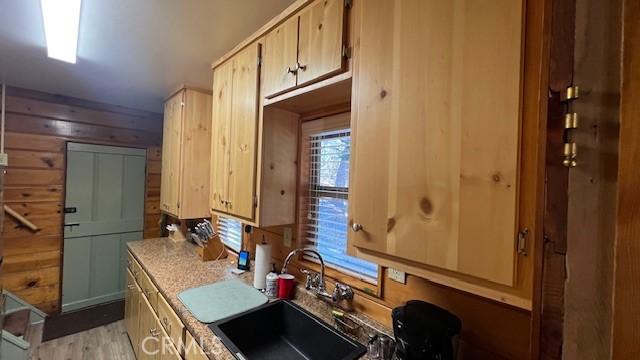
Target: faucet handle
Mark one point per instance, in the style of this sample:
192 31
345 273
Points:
342 292
309 281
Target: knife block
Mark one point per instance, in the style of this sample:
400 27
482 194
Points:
212 250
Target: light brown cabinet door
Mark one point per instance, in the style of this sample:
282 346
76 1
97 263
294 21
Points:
280 58
320 40
132 311
171 152
436 134
150 333
244 133
220 135
167 350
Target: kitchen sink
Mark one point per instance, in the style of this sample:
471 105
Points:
282 330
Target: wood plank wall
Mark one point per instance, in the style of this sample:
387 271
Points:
38 127
152 196
490 330
626 317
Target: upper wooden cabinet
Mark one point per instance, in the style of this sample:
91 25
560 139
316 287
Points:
185 154
235 128
306 47
253 151
437 129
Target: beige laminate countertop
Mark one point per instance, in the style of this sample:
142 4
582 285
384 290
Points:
175 267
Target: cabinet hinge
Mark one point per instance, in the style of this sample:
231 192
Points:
178 204
255 201
259 60
346 51
522 241
348 4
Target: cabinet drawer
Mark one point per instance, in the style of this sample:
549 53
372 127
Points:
136 270
130 261
149 290
170 321
193 350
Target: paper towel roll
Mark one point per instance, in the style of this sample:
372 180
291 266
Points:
261 265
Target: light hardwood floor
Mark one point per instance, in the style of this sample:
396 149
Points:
108 342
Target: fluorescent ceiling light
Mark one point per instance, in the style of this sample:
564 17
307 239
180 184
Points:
61 23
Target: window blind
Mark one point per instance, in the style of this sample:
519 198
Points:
230 232
326 224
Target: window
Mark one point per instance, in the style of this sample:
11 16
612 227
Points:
325 225
230 232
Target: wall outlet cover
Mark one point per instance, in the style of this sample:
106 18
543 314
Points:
397 275
287 236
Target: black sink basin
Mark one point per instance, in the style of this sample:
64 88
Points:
282 330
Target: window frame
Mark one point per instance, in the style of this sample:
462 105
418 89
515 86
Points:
309 128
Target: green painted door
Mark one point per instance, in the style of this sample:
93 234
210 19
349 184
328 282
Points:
104 208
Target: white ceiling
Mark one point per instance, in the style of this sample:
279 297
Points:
130 52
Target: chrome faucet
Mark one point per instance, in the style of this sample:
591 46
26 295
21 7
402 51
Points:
315 282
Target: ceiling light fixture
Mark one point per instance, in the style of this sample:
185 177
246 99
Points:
61 23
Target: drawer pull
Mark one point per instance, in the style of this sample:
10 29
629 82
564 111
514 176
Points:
167 325
130 287
356 227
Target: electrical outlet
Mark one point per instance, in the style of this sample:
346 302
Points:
287 236
397 275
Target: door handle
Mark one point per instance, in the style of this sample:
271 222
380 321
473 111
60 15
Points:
71 225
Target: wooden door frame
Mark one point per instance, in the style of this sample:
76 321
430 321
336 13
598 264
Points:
626 318
550 253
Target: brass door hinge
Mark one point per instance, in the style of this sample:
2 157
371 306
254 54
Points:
573 92
570 149
570 153
571 121
521 242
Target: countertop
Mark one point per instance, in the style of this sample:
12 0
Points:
175 267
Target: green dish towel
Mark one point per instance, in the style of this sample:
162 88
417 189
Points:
220 300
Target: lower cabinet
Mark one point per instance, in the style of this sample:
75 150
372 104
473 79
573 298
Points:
193 351
132 311
149 340
155 330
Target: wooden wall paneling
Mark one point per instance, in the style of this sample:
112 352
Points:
626 317
592 184
152 193
39 125
279 166
79 131
80 115
549 326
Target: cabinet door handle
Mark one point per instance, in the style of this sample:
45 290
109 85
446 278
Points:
356 227
131 287
167 325
302 67
292 70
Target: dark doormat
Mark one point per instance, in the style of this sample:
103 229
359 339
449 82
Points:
80 320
